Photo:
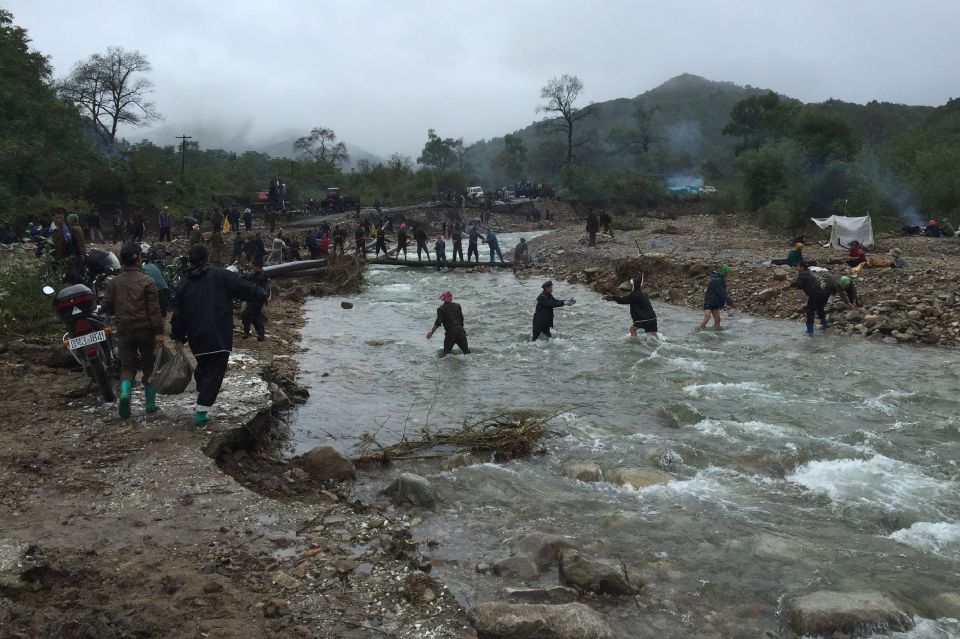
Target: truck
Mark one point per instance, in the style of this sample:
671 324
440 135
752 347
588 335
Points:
474 193
336 202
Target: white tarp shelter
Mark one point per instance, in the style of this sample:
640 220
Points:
847 229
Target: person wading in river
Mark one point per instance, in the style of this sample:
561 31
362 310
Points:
641 311
716 297
450 316
816 300
543 315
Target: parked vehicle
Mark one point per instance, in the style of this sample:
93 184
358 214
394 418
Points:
89 338
474 193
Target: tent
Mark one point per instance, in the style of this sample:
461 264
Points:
847 229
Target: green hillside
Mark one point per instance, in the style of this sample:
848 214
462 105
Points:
686 115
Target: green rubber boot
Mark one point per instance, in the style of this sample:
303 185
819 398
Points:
200 418
151 398
126 387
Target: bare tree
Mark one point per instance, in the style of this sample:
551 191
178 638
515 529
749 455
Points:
322 145
110 90
400 163
560 95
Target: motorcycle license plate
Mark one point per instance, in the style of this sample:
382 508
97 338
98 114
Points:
86 340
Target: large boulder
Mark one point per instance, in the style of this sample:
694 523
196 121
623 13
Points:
638 478
826 612
494 620
584 471
554 595
593 575
543 548
519 566
13 555
410 489
325 462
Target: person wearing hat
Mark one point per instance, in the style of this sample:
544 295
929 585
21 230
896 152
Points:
133 300
203 317
794 256
247 220
857 255
842 284
543 315
898 260
450 316
641 310
816 300
253 312
716 297
932 229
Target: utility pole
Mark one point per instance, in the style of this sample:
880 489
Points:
183 151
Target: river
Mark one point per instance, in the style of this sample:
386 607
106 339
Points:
807 463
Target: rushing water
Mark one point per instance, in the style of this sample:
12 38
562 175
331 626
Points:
823 463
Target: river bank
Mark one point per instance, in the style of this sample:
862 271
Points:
152 528
919 305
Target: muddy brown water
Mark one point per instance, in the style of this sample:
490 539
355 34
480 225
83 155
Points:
807 464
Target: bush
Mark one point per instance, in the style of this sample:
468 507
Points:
23 305
778 215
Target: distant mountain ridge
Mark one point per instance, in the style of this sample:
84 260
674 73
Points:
687 114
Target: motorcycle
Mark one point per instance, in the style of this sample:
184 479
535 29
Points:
89 337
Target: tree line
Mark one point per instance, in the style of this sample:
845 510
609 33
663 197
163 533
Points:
62 147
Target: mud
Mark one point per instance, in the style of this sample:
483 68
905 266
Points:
150 527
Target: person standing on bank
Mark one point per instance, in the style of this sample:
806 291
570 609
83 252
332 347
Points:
716 297
203 317
641 311
543 315
450 316
132 298
593 225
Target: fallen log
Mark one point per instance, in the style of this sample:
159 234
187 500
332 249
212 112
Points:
275 270
433 263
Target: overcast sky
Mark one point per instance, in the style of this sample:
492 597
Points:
381 72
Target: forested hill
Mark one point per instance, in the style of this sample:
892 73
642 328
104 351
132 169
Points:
682 122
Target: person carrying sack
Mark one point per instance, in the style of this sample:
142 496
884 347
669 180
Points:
132 299
203 317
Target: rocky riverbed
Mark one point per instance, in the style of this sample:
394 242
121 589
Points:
919 305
